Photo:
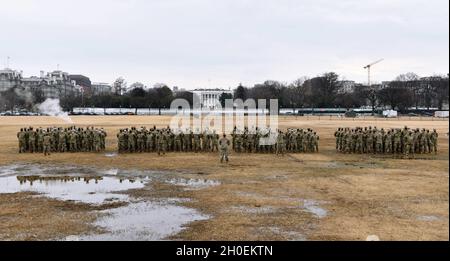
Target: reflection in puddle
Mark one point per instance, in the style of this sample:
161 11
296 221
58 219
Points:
144 221
113 154
40 169
85 184
312 206
85 189
194 183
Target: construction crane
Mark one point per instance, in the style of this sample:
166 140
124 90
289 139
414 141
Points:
368 69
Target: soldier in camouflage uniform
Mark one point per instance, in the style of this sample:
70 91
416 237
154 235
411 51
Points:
178 138
162 142
281 146
433 141
62 141
40 140
337 135
214 142
407 142
21 135
47 144
388 142
140 141
31 140
197 142
224 143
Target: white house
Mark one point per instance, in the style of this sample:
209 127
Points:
209 98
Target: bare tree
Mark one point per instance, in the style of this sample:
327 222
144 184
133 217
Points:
297 92
120 86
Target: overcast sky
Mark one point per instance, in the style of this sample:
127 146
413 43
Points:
208 43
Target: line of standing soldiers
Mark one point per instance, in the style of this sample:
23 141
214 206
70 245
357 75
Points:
58 139
165 140
265 141
250 141
393 141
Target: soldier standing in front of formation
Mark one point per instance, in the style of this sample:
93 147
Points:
47 144
224 143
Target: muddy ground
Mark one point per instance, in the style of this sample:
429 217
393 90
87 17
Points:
322 196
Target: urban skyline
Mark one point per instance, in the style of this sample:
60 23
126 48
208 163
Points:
43 74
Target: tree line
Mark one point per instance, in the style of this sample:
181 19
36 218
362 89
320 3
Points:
324 91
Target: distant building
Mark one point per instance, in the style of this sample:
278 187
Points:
384 84
346 87
83 82
56 84
209 98
99 88
42 84
176 89
9 79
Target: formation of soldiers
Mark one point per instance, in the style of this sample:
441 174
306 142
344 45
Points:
58 139
247 141
399 141
166 140
292 140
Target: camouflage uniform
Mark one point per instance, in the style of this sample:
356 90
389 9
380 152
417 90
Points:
47 144
281 146
223 145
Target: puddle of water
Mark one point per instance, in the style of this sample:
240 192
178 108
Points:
312 206
193 183
428 218
136 221
113 154
85 184
144 221
87 190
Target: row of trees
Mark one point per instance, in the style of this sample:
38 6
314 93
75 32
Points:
324 91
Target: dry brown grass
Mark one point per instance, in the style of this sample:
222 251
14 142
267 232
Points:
261 196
